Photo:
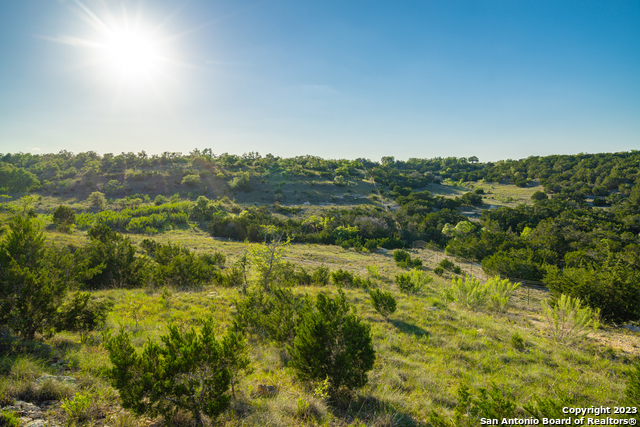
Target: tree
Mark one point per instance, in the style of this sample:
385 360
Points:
97 199
82 314
191 371
116 256
30 288
383 302
64 217
331 342
267 258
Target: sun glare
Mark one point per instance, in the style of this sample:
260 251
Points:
132 56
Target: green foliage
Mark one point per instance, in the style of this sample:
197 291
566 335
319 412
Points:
500 292
191 371
331 342
517 341
30 287
612 285
439 271
345 278
82 314
413 281
191 180
383 302
489 403
78 408
548 407
272 315
116 257
160 200
569 320
241 182
321 276
64 217
403 259
16 179
469 292
633 384
97 199
9 419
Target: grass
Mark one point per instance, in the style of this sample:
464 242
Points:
426 350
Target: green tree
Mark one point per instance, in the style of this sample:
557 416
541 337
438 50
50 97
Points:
64 217
116 257
331 342
30 288
383 302
190 371
97 199
82 314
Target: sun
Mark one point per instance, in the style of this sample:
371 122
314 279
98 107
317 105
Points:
132 55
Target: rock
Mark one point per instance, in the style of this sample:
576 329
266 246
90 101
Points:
382 251
632 328
57 378
306 203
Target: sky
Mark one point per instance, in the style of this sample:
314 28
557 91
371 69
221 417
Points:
337 79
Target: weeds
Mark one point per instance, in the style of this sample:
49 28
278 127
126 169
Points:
569 320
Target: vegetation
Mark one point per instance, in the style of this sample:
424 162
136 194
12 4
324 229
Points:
282 256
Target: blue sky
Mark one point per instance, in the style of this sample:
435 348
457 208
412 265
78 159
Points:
338 79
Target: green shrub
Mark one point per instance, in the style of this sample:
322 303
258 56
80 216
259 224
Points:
569 320
159 200
439 271
270 315
517 341
489 404
191 180
383 302
342 277
82 314
500 293
321 276
331 342
633 384
9 419
413 281
64 217
548 407
446 264
78 408
401 256
469 292
191 371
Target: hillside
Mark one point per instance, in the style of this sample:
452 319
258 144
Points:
172 240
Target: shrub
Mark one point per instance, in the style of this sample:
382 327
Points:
569 320
78 408
446 264
633 384
383 302
489 404
342 278
321 276
8 419
159 200
191 180
82 314
190 372
469 292
401 256
413 281
270 315
331 342
439 271
500 293
97 199
517 341
64 217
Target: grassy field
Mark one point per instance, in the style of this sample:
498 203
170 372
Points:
425 351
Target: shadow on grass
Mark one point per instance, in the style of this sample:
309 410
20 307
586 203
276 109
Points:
408 328
371 410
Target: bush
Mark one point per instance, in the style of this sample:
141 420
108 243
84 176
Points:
413 281
342 277
403 259
500 293
82 314
517 342
569 320
633 384
321 276
383 302
190 372
331 342
489 404
469 292
159 200
439 271
64 217
270 315
191 180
